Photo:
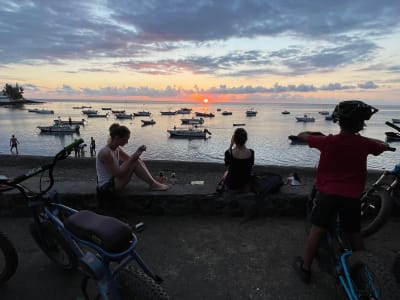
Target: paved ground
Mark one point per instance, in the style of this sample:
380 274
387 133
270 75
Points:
200 257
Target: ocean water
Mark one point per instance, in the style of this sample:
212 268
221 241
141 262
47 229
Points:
268 132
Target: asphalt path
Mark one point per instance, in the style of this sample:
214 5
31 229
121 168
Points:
199 257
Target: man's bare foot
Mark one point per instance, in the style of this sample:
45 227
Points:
159 187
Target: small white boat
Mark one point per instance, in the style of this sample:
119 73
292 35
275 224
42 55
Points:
189 133
305 118
123 116
142 113
168 113
67 122
396 121
184 111
41 111
89 111
59 128
226 113
148 122
251 113
192 121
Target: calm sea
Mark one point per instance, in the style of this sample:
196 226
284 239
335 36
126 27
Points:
268 131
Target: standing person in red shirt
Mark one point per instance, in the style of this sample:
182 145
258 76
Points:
341 177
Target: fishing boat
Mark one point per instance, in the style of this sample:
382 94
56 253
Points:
226 113
189 133
68 122
168 113
41 111
142 113
184 111
251 113
148 122
96 115
285 112
192 121
305 118
392 136
59 129
89 111
395 120
208 115
123 116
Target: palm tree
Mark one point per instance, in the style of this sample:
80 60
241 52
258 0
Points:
14 93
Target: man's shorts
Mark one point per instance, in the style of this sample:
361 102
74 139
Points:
327 207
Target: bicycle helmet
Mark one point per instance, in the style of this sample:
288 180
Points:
353 110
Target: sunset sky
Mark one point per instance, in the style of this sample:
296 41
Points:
236 51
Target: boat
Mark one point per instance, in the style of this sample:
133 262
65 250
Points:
251 113
329 118
392 136
192 121
239 124
294 140
226 113
96 115
85 106
168 113
184 111
305 118
68 122
324 112
77 107
395 120
148 122
106 108
119 111
285 112
41 111
189 133
208 115
123 116
59 129
218 109
142 113
89 111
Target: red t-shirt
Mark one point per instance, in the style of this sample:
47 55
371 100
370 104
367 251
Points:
342 168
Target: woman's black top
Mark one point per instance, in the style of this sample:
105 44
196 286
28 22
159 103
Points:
239 170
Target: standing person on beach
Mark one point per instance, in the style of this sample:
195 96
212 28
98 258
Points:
115 167
14 144
92 147
240 161
341 177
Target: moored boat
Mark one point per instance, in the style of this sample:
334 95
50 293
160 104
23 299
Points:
189 133
123 116
239 124
192 121
59 128
395 120
118 111
324 112
42 111
68 122
142 113
392 136
226 113
96 115
106 108
148 122
89 111
251 113
184 111
305 118
168 113
285 112
208 115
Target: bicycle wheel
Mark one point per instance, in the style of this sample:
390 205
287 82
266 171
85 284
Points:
135 284
371 276
53 245
376 206
8 258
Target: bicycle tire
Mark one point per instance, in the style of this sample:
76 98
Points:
8 259
376 207
54 245
382 275
135 284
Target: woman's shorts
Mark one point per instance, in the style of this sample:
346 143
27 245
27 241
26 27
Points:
327 207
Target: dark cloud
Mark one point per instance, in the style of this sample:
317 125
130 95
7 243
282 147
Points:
368 85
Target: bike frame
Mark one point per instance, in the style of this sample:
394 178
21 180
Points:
95 264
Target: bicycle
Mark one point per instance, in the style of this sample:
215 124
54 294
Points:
378 200
358 274
100 247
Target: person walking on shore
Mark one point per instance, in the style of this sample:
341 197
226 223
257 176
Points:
92 147
14 144
115 167
341 177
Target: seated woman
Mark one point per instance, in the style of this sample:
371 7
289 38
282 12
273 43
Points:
240 161
115 167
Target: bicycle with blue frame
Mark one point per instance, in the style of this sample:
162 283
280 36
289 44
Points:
101 247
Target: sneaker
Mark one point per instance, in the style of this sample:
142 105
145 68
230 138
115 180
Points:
305 275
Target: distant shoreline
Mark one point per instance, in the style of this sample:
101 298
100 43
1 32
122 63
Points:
19 102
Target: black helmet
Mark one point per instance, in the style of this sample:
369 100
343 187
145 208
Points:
353 110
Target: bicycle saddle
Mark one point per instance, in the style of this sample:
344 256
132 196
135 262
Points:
108 233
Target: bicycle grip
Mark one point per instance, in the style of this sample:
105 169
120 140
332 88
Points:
69 148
